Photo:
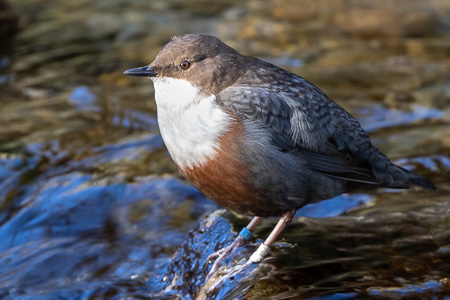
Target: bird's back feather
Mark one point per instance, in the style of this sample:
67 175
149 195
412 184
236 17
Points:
302 118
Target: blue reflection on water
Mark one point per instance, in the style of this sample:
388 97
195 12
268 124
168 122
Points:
333 207
378 116
84 99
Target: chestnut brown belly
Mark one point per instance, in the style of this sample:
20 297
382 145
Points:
228 184
227 180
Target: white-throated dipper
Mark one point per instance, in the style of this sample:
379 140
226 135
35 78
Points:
258 139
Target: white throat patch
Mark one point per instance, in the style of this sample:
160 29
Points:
190 122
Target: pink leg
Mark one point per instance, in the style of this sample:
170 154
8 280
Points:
223 253
259 254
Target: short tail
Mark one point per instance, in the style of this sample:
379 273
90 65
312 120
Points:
399 178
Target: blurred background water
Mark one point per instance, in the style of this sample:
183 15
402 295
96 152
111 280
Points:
92 207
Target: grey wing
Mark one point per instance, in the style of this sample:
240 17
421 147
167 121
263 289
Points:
331 140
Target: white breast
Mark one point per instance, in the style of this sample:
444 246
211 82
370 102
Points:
190 122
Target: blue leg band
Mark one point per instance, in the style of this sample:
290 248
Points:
245 233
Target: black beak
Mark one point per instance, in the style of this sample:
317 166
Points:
141 72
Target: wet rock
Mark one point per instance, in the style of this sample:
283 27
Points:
55 218
307 261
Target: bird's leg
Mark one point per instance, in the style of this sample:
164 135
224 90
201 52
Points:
263 249
221 254
259 254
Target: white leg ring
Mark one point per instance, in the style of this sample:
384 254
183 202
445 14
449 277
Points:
259 254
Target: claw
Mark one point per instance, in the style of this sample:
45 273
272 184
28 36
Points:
228 274
257 256
222 254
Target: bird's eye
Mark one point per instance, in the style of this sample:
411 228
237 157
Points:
185 64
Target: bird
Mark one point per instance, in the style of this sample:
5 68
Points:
258 139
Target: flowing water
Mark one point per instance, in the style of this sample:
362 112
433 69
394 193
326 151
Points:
92 207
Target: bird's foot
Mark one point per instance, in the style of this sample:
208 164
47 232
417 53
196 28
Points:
223 253
257 256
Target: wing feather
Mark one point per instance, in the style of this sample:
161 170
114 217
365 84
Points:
303 120
310 123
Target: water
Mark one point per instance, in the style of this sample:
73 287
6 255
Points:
91 206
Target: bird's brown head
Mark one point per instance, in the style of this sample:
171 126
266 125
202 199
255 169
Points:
203 60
